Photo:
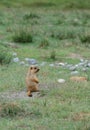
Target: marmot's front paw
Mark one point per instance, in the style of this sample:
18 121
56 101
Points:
30 95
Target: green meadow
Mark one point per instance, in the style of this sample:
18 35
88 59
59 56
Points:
51 32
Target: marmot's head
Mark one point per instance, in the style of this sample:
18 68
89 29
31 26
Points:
34 69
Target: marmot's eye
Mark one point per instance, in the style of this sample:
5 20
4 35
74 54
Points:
31 68
35 68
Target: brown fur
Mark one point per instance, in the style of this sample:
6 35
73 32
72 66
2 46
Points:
32 80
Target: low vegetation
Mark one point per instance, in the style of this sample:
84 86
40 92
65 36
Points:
50 32
5 55
22 35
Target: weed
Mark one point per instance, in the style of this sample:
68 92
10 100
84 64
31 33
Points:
53 55
44 43
64 34
30 16
22 35
35 113
10 110
5 55
43 93
77 4
43 4
85 38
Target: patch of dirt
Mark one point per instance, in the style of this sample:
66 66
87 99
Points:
17 95
81 116
78 78
75 56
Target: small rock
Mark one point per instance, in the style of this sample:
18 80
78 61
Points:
73 68
88 64
16 59
61 64
84 69
43 63
74 72
76 65
61 80
68 65
81 60
86 61
81 64
31 61
52 65
22 63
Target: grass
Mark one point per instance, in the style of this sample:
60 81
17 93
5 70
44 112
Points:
60 32
22 35
5 55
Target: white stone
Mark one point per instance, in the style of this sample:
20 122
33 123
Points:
31 61
52 65
22 63
61 80
74 72
81 64
81 60
16 59
73 68
88 64
84 69
61 64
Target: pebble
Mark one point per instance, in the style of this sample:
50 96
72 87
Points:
32 61
76 65
81 60
61 80
43 64
73 68
52 65
84 69
83 65
16 59
88 64
61 64
68 65
22 63
74 72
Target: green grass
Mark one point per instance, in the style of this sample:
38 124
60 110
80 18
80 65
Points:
47 3
61 33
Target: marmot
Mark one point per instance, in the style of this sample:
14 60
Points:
32 80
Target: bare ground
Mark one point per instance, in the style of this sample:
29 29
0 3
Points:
16 95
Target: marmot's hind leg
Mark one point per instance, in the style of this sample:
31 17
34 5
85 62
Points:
29 94
35 89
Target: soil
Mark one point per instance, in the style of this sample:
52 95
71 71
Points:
16 95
